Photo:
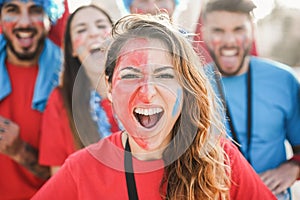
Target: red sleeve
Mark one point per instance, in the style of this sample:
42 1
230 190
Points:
57 30
62 186
245 183
106 105
56 142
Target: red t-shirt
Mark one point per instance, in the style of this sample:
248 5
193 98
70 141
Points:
97 172
57 142
16 182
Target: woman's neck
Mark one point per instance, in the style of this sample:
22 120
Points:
139 152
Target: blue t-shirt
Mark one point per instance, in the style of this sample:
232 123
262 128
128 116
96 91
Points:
275 111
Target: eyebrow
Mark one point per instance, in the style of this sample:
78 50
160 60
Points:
9 4
131 68
84 23
155 71
162 69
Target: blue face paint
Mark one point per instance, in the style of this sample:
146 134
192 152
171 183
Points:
177 103
53 8
10 19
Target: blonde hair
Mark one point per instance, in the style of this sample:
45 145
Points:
195 160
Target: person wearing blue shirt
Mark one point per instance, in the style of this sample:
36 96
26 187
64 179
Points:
260 96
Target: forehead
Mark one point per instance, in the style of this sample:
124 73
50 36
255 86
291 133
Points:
155 1
88 14
143 44
226 18
144 52
21 3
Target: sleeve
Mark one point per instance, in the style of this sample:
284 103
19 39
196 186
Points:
56 142
293 118
59 187
245 183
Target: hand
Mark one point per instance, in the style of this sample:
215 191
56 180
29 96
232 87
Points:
281 178
10 142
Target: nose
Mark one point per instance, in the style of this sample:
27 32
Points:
94 32
147 91
24 20
229 38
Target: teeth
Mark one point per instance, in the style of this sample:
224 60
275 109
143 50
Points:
229 52
95 46
150 111
24 35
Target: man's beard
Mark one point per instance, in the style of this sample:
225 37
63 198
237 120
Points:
214 57
26 56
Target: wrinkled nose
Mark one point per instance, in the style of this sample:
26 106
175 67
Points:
147 91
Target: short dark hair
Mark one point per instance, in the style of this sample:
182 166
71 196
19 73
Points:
242 6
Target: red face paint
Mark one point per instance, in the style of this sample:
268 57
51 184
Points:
144 92
228 37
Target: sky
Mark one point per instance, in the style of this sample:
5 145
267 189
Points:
264 7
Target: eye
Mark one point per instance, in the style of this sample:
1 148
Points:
11 9
130 76
80 31
165 76
101 26
36 10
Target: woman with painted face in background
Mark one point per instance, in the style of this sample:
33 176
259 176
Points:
173 145
76 107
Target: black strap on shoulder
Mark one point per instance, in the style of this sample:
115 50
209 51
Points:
249 111
130 181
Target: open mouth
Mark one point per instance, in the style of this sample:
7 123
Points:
25 38
229 52
149 117
95 48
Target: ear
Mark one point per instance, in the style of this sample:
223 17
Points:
109 89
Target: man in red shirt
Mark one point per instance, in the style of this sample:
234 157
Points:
29 70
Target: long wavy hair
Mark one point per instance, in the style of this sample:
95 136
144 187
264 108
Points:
195 160
76 99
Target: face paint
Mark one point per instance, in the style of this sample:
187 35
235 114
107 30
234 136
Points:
89 29
144 92
24 28
10 19
177 103
228 37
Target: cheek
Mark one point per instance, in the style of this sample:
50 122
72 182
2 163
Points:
244 41
178 103
215 42
77 42
106 32
9 22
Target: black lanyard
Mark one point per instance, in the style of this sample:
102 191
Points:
131 186
249 110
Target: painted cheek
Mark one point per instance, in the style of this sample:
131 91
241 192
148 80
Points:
77 44
215 42
177 103
9 22
10 19
244 41
139 11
